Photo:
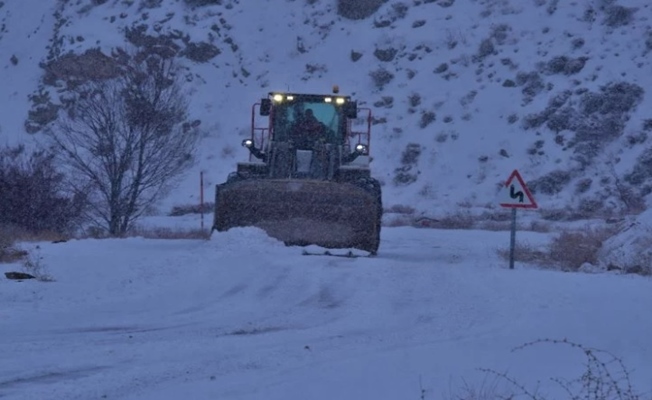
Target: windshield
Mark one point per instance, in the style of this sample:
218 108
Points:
289 114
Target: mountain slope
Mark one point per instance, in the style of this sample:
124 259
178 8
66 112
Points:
462 92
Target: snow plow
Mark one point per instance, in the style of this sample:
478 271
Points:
307 179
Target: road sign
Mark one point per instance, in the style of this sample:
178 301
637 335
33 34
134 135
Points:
515 194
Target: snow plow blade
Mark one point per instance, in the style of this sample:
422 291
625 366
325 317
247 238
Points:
302 212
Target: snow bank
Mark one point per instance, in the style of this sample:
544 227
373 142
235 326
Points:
630 249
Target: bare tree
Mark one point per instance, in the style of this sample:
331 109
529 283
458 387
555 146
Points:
126 139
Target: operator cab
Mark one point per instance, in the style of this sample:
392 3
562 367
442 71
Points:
288 111
306 136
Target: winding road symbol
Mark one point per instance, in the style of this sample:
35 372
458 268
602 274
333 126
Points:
515 193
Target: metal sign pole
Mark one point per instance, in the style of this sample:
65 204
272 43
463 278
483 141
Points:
201 198
515 194
512 241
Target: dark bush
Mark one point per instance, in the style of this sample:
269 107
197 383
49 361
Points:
386 55
616 16
32 193
562 120
405 175
200 52
531 82
642 170
564 65
619 97
381 77
552 183
201 3
598 118
485 49
358 9
583 185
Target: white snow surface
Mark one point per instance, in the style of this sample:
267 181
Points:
631 247
242 316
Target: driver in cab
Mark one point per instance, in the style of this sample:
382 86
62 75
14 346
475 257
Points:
308 129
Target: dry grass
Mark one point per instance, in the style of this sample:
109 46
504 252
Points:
400 209
19 234
169 233
568 250
463 220
526 253
456 221
571 249
8 252
186 209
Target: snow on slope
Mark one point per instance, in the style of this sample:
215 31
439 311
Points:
244 317
25 28
468 149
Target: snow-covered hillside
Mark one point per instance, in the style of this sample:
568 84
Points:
463 92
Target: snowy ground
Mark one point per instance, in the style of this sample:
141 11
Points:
244 317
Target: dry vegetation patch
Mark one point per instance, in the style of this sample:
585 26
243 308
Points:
569 250
168 233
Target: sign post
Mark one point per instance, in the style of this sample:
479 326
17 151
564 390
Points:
515 195
201 198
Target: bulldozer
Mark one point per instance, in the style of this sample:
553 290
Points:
307 179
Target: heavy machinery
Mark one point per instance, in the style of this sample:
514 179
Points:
307 180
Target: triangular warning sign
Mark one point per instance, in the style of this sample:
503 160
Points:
515 194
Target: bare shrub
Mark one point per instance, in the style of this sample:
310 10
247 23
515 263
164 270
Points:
489 389
126 139
20 234
8 252
605 375
33 264
32 193
570 250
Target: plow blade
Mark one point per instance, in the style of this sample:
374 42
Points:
302 212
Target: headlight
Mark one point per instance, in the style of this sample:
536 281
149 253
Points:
339 100
278 97
361 148
248 143
328 99
290 98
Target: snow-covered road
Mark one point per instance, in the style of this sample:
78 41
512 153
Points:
244 317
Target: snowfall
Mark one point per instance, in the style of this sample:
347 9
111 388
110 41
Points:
242 316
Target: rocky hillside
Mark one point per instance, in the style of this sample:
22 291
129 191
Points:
462 92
